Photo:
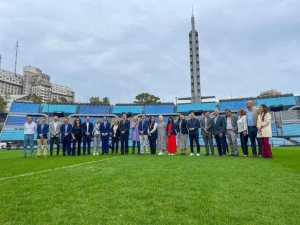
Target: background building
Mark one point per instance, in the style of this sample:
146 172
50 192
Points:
34 81
272 92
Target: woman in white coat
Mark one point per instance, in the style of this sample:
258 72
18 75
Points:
264 131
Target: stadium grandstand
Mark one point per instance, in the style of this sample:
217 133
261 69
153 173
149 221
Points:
285 111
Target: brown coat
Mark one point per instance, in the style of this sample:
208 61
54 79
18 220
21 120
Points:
256 112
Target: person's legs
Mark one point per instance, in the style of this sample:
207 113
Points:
139 147
89 140
84 144
122 144
146 140
31 144
141 144
126 143
57 145
218 144
211 143
191 143
229 136
25 144
205 139
51 145
39 142
197 143
223 144
252 133
45 146
64 146
133 146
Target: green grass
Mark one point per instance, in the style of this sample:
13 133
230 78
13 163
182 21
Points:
150 189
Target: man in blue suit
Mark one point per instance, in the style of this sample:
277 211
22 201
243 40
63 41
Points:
87 131
193 127
66 137
219 128
42 137
143 129
104 131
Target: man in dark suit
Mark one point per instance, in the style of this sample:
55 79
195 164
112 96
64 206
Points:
124 134
206 124
42 136
193 126
143 129
104 132
66 137
87 130
219 129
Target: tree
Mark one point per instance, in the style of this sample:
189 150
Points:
97 101
3 104
54 100
146 99
105 101
63 100
36 98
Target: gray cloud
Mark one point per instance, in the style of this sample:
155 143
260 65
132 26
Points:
118 49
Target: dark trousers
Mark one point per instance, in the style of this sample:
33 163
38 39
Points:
124 143
196 138
221 144
114 142
134 143
244 143
152 143
66 144
78 141
52 141
252 134
105 140
87 141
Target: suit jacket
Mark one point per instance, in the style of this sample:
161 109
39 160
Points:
53 130
256 112
105 129
112 131
219 127
144 127
173 130
233 122
43 131
124 126
84 128
210 124
63 131
184 129
193 124
266 129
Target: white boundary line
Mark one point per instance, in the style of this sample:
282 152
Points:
54 169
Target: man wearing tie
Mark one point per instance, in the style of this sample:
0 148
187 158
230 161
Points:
87 130
66 137
219 133
42 136
104 131
193 126
54 134
143 130
124 134
206 124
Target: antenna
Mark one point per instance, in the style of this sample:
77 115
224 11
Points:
16 61
192 10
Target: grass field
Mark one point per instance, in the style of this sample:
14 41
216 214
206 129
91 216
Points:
150 189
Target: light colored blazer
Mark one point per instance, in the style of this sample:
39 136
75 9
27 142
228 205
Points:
210 125
266 130
256 112
53 130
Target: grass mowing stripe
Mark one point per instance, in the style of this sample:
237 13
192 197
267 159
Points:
53 169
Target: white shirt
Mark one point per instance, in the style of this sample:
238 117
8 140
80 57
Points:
242 124
55 125
87 126
30 128
205 123
229 124
154 128
115 129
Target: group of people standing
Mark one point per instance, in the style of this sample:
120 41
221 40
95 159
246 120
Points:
255 124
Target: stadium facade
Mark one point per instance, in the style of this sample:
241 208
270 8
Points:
33 81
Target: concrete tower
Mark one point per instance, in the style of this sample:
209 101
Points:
194 64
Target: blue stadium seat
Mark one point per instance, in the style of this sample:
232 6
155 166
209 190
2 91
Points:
274 130
285 101
157 109
60 108
232 105
18 107
91 109
134 109
13 135
17 120
211 106
290 129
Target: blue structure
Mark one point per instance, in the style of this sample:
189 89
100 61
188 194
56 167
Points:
60 108
157 109
18 107
136 109
232 105
13 135
285 101
211 106
92 109
17 120
290 129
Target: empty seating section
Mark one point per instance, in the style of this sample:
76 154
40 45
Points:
60 108
156 109
132 108
90 109
17 120
13 135
211 106
274 130
232 105
289 116
290 129
285 101
17 107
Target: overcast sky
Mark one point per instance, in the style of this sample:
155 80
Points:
122 48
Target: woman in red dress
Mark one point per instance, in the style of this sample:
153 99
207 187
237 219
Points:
171 136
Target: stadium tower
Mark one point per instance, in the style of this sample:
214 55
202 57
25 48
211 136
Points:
194 64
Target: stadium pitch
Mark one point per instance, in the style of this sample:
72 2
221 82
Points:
147 189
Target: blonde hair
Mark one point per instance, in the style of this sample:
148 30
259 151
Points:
242 111
135 118
160 117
